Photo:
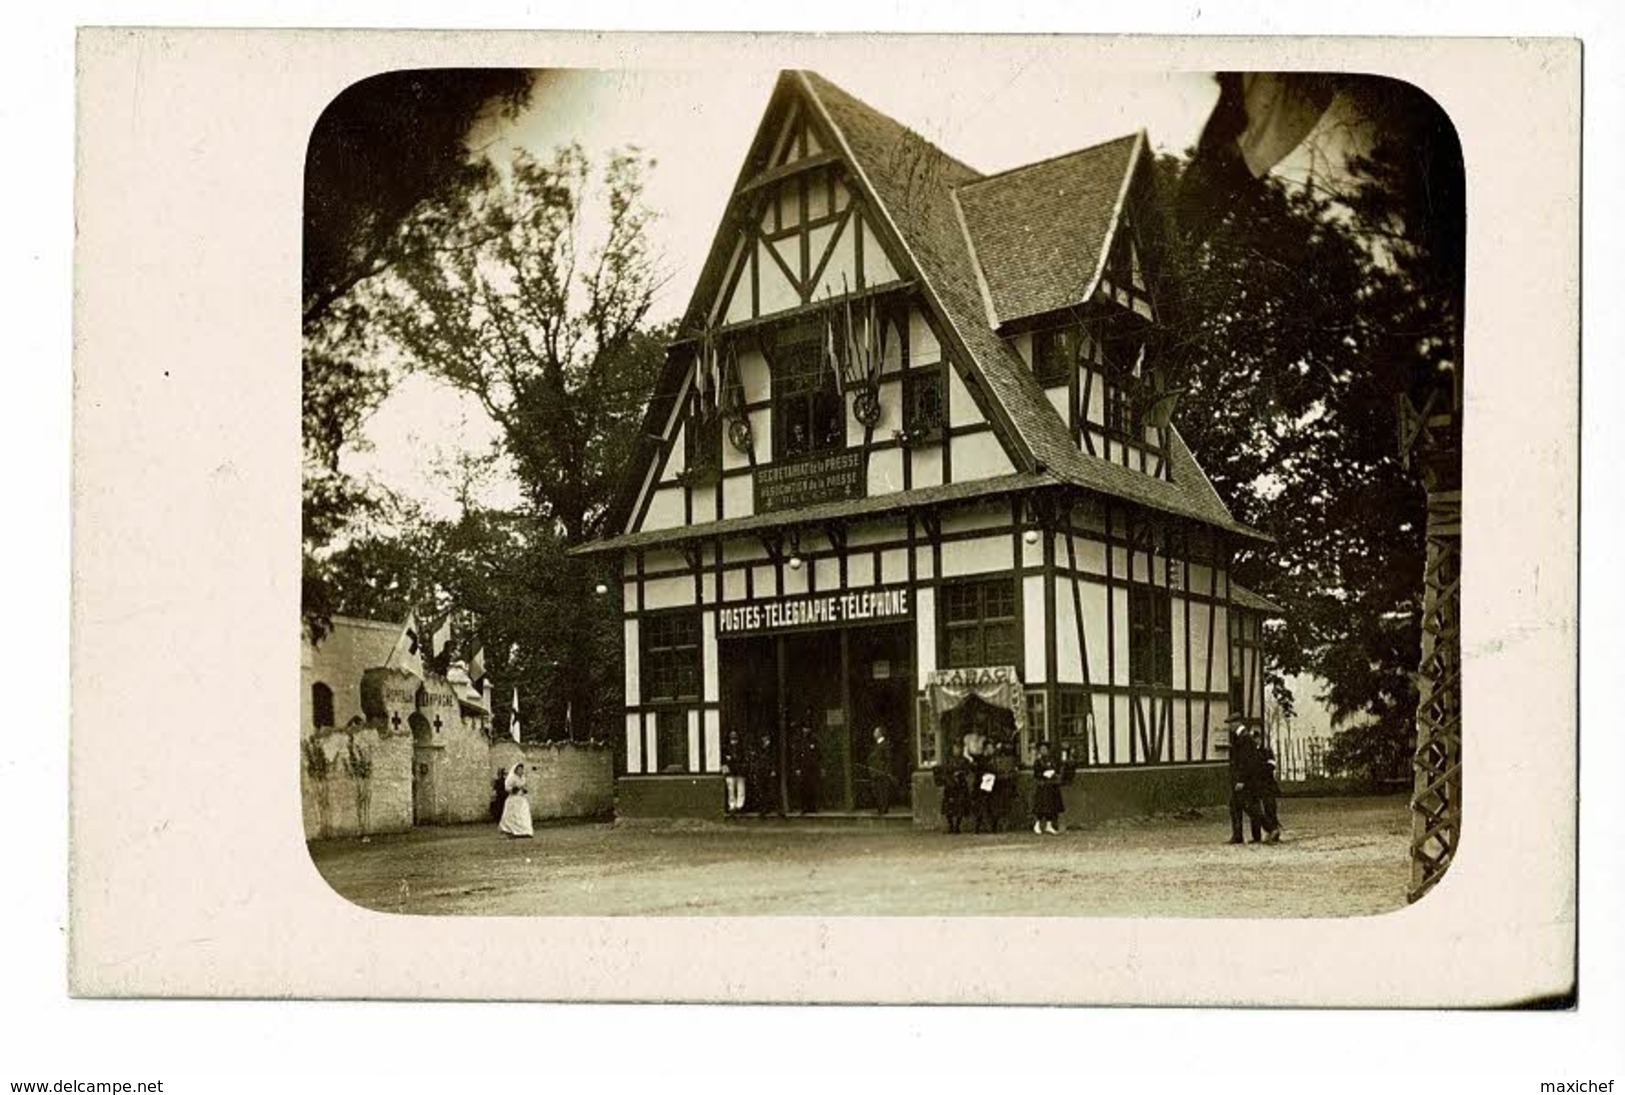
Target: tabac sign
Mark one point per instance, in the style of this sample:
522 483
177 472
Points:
864 606
807 481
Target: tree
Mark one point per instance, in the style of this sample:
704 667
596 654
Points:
1291 330
382 159
546 328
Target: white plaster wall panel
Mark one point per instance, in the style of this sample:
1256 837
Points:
634 688
737 499
693 764
713 741
629 595
703 504
925 563
922 342
739 303
708 655
1177 638
877 267
774 291
886 471
827 573
675 592
860 569
795 580
634 742
1119 562
1120 635
651 744
817 204
980 456
1120 733
664 561
925 630
678 459
764 581
1090 555
754 377
1032 554
1142 569
894 565
876 532
926 466
1202 579
1032 599
1024 346
842 265
972 518
1059 397
962 408
733 585
629 565
665 509
1068 654
981 556
1093 599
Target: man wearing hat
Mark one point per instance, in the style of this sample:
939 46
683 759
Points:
1243 762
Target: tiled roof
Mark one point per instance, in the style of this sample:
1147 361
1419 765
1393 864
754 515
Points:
1246 598
930 199
914 183
1040 231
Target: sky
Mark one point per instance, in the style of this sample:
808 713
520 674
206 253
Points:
697 127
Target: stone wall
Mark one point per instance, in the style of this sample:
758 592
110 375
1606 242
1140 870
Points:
566 779
687 796
330 805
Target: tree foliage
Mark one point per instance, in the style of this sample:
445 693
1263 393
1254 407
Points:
541 316
1292 325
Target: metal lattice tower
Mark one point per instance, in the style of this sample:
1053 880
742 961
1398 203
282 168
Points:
1433 439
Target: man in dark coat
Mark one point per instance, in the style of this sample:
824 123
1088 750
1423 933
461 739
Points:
953 775
1265 788
880 769
1003 766
764 775
1243 763
805 774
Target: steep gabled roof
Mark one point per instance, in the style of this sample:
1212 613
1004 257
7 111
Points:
931 207
1040 232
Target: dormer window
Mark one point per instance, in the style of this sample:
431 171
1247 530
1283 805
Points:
1054 355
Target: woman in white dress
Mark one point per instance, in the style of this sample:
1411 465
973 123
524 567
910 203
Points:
516 809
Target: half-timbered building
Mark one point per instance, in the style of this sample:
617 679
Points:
908 464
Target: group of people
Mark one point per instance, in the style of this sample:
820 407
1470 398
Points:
1253 784
978 782
751 772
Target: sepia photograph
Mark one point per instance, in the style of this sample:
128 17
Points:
843 492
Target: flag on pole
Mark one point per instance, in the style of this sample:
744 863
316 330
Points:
408 653
476 670
441 645
513 721
831 352
569 727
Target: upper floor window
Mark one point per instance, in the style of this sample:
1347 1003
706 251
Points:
924 413
978 623
809 414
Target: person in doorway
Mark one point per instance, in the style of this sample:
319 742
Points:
880 769
733 772
953 775
1242 761
764 775
516 819
1047 779
983 782
806 775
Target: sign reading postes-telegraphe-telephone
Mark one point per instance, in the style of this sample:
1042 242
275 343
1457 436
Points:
811 480
836 609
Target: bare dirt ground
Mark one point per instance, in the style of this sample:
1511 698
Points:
1337 857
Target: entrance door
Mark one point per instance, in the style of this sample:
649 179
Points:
749 694
881 662
819 777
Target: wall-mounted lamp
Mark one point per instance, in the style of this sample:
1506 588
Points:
601 588
1031 536
795 562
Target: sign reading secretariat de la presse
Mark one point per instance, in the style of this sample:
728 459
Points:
816 610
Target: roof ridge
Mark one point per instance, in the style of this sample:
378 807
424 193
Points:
976 261
904 126
1097 146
